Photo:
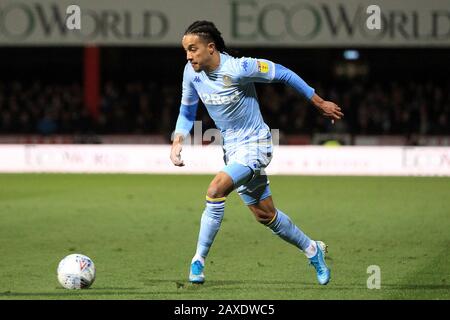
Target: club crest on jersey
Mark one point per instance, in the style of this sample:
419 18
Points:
226 81
263 67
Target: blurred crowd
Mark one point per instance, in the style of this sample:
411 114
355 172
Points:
372 108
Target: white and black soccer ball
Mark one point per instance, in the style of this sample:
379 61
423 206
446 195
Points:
76 271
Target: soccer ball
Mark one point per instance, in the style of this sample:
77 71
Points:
76 271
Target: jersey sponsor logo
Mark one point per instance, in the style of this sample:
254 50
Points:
197 79
263 67
217 99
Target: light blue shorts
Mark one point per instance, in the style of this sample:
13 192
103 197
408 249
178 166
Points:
252 185
245 166
245 161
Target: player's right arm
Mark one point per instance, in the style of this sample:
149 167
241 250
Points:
186 117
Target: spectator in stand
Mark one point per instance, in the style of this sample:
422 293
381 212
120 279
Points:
138 107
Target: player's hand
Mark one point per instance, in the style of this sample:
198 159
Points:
330 110
175 154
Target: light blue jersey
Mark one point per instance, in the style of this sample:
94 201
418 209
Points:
229 95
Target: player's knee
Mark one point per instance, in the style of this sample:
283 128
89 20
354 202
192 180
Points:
263 216
214 191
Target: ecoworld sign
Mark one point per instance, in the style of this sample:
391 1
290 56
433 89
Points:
242 22
324 23
48 23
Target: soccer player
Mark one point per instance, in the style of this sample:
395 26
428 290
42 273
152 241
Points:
225 85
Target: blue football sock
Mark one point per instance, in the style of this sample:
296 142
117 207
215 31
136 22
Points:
288 231
210 223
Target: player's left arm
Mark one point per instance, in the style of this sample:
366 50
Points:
262 70
326 108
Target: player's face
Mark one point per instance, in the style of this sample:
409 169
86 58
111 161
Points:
198 52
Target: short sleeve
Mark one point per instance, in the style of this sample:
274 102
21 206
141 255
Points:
255 70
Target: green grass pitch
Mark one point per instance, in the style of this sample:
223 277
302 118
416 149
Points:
141 232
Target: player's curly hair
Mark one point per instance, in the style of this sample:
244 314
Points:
208 31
